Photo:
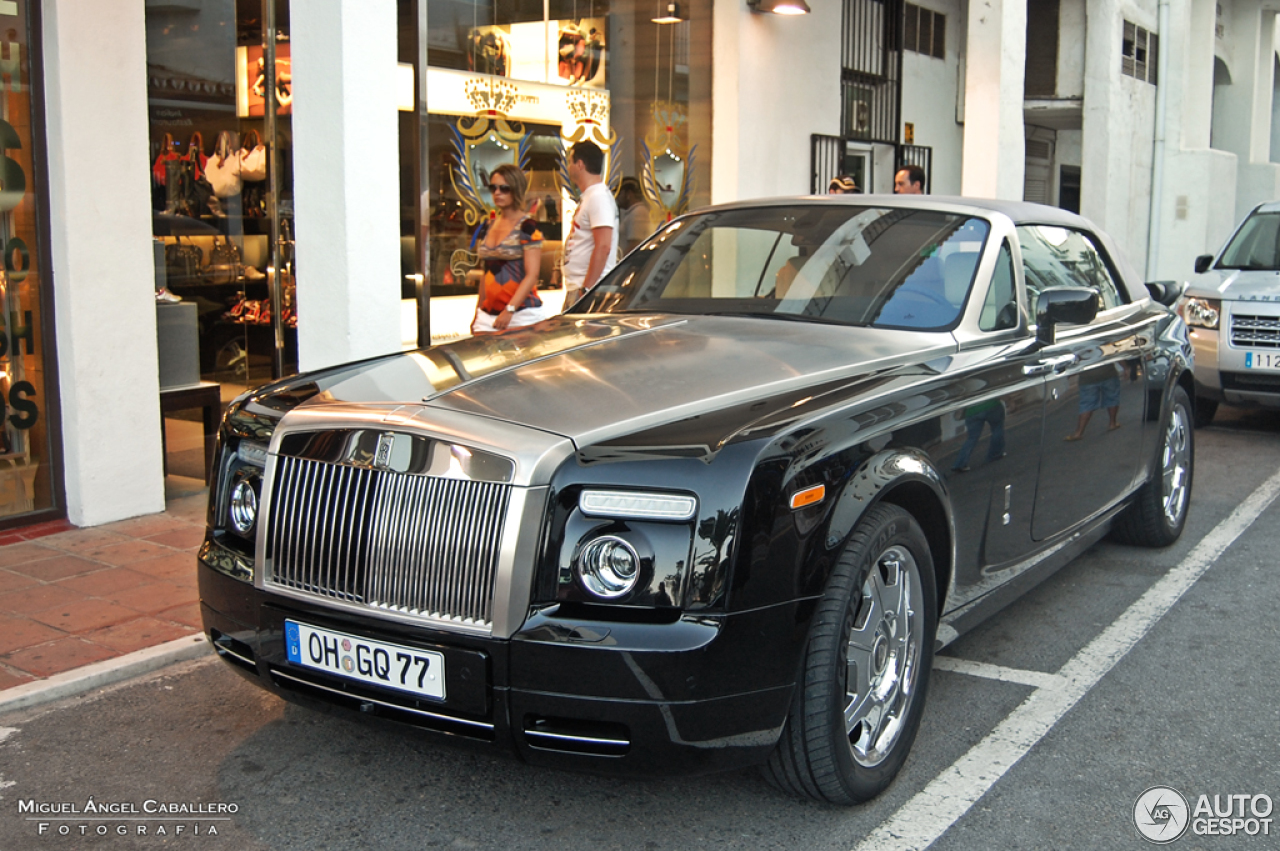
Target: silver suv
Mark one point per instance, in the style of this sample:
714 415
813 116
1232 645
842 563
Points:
1232 309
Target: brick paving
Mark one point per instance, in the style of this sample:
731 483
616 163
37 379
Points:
70 597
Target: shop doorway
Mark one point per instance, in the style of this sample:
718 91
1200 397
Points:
220 93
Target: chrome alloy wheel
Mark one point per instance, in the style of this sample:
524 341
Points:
1175 464
883 655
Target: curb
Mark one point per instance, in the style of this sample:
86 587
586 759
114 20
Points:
103 673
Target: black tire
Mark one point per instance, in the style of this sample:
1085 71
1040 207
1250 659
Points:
1159 510
1205 409
885 566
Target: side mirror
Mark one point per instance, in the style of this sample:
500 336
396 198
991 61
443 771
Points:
1203 262
1165 292
1063 306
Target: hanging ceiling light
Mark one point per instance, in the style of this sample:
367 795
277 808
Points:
780 7
669 14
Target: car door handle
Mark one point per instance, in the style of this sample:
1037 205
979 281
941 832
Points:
1055 365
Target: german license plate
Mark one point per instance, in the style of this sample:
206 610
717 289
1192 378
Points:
1262 360
377 663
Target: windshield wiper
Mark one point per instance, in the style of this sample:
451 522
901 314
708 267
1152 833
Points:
791 317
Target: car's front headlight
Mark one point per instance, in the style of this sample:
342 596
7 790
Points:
242 507
608 567
622 547
1200 312
244 490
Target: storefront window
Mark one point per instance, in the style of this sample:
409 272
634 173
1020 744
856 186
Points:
220 92
27 482
508 83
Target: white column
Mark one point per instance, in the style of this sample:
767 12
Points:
994 143
1194 80
1199 193
95 73
1246 103
1243 124
346 179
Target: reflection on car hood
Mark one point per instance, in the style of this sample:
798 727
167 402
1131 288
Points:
1239 284
594 378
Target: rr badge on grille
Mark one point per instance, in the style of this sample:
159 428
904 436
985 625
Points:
382 457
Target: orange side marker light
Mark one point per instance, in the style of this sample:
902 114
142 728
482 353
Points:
808 496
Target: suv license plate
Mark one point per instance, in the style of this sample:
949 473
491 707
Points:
1262 360
409 669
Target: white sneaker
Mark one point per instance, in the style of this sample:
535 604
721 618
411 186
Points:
163 296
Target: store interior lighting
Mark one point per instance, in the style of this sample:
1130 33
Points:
780 7
669 13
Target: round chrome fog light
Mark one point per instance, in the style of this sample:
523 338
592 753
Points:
608 567
243 510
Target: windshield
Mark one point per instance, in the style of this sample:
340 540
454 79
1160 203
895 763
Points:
1256 246
839 264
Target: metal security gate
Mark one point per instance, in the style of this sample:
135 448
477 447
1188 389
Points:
824 153
871 93
871 70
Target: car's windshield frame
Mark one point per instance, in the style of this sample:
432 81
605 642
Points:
879 266
1249 240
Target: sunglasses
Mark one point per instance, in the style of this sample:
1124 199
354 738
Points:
499 187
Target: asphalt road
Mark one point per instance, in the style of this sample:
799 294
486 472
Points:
1191 705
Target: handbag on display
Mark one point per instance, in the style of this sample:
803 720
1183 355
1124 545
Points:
224 263
223 168
182 262
253 158
225 253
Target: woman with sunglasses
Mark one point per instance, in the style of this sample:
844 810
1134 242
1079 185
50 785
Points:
510 247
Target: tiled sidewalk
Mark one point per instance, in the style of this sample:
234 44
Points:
70 597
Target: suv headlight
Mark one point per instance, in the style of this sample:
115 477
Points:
1200 312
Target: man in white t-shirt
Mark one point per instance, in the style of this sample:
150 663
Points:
592 246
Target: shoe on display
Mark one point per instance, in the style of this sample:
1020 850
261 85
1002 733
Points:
251 273
163 296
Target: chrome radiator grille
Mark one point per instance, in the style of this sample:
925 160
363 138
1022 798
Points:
1255 331
418 545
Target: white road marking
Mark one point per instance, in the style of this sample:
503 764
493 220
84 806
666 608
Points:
932 810
1038 679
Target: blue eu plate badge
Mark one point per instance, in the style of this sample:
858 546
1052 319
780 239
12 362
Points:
1248 360
291 641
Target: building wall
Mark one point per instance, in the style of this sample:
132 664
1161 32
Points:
1071 21
1118 130
930 88
777 81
